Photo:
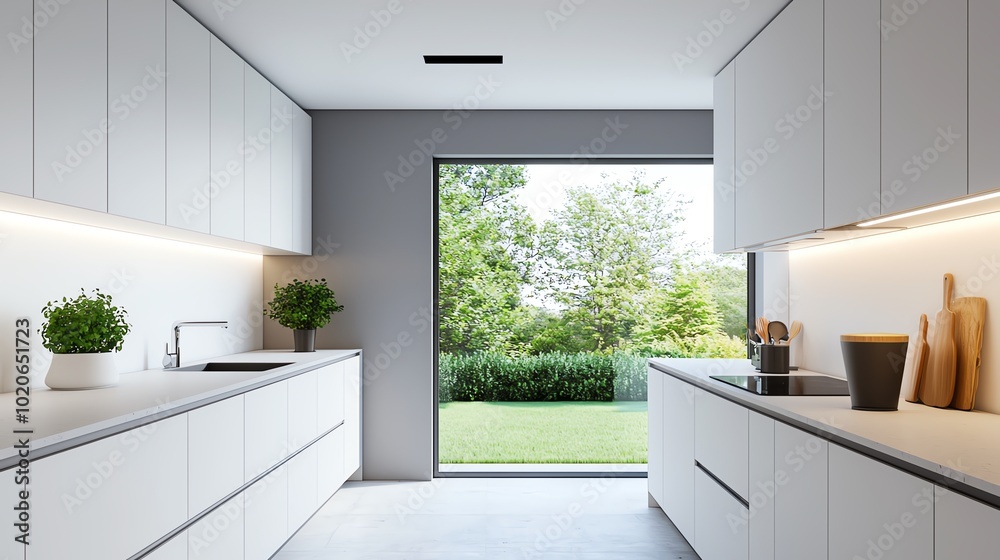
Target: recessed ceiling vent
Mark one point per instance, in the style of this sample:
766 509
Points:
463 59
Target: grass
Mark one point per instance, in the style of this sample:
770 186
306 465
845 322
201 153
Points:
542 432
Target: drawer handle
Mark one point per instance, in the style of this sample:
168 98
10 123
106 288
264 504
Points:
724 486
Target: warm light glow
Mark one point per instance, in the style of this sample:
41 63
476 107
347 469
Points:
929 209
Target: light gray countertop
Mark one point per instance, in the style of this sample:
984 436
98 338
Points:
960 450
64 419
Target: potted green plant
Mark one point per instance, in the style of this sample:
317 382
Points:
83 334
303 306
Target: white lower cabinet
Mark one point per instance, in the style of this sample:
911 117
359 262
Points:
330 473
720 521
174 549
352 416
219 535
877 511
266 516
215 451
9 548
800 496
657 444
265 428
678 454
85 498
762 487
330 390
964 528
302 487
302 414
720 442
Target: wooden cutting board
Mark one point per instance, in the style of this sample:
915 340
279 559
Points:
937 386
916 362
970 318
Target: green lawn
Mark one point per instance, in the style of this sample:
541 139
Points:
542 432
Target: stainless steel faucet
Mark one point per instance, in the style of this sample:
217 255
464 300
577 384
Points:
173 360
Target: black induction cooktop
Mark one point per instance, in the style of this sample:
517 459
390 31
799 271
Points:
788 385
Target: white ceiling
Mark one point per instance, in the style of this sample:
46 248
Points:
558 54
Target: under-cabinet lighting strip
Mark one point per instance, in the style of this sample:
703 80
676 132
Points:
929 209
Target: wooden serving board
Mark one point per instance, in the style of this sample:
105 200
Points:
916 362
937 386
970 316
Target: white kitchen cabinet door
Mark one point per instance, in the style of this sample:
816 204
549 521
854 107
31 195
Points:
654 397
265 428
724 160
174 549
330 465
71 103
800 500
266 515
330 390
227 181
302 487
257 157
852 73
721 440
984 83
874 511
189 132
720 522
678 454
9 548
352 416
779 128
219 535
282 170
16 111
302 413
924 104
137 108
964 528
83 498
762 487
215 453
302 184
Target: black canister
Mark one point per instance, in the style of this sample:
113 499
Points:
874 364
774 358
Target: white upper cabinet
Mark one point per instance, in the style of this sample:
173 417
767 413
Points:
725 159
852 170
227 180
877 511
257 157
16 109
964 528
984 83
282 170
302 184
924 103
779 128
188 121
137 92
71 103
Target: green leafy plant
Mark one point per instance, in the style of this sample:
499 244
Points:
303 305
84 325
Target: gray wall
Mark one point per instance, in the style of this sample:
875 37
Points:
374 242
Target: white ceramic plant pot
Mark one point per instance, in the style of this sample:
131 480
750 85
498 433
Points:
82 371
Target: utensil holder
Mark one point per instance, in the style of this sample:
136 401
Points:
774 358
874 365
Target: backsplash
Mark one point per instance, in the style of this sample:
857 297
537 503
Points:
157 281
884 283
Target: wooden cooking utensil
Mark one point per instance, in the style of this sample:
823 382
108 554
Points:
916 362
970 317
794 331
762 329
937 386
777 330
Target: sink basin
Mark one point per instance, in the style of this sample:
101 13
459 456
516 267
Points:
233 366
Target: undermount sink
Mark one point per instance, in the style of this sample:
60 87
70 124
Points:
233 366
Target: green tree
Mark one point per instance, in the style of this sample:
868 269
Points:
487 244
725 277
685 310
604 251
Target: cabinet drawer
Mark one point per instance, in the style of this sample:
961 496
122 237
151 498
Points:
720 522
721 440
330 385
215 451
219 535
266 428
654 396
964 528
302 403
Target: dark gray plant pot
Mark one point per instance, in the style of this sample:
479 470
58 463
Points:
305 340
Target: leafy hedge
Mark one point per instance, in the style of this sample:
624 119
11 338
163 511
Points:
485 376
